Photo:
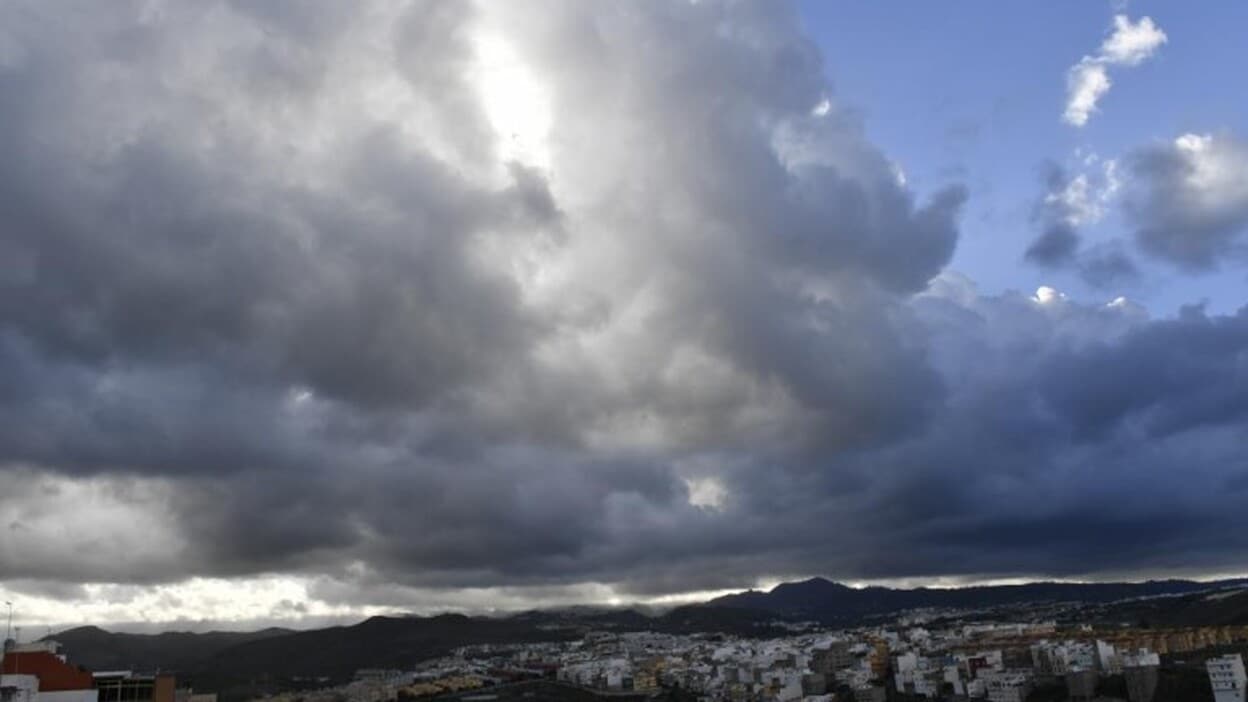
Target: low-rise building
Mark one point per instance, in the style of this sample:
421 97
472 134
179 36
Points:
1007 686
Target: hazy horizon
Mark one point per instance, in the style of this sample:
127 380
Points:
489 609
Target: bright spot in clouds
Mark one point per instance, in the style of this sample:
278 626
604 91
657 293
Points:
1046 295
515 102
706 492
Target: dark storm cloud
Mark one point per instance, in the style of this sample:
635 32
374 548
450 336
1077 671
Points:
1188 200
277 299
1055 247
1057 216
1170 377
1107 265
1067 406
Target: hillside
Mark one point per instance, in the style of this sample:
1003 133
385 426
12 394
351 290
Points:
97 649
823 600
1203 609
382 642
398 642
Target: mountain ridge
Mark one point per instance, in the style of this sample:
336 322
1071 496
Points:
828 601
96 648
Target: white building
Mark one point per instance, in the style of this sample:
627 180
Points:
1007 686
1107 658
1141 658
1226 674
25 688
19 688
1060 658
953 676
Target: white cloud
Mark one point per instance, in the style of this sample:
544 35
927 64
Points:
1216 172
1085 197
1087 81
1130 44
1085 84
1074 198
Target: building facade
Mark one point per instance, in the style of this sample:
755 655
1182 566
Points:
1226 675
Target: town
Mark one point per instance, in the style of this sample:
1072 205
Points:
908 659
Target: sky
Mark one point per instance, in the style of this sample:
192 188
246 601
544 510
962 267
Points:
315 310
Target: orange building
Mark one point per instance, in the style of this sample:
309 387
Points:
55 675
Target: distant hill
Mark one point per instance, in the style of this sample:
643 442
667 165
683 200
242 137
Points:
378 642
96 649
399 642
1228 607
217 659
826 601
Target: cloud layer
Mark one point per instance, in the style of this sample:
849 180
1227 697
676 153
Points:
340 294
